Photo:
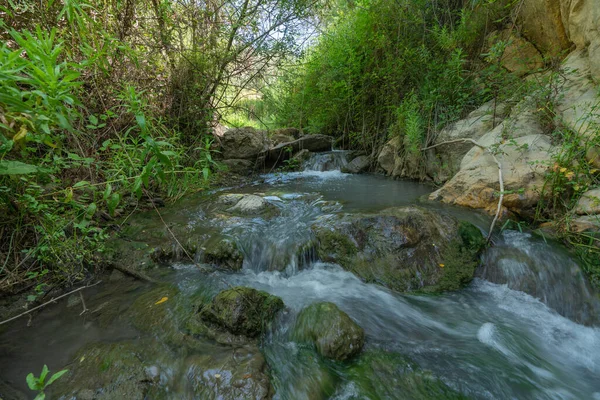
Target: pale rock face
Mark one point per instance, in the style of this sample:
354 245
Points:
524 161
478 123
589 203
542 25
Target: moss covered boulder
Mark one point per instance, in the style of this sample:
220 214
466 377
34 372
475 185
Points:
378 374
242 310
404 248
223 253
333 332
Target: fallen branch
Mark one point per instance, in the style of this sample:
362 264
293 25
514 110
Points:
134 274
53 300
500 180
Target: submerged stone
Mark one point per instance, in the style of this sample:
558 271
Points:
382 375
333 332
242 310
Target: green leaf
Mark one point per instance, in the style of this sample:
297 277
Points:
93 119
107 191
91 210
205 173
113 202
42 379
141 121
32 382
56 376
40 396
17 168
81 184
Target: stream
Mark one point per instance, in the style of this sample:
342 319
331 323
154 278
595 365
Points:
525 328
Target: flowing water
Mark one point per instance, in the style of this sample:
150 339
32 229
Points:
523 329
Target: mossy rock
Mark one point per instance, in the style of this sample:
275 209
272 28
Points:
242 310
378 374
106 371
408 249
224 253
333 332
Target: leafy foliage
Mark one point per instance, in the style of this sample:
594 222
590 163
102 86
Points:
39 384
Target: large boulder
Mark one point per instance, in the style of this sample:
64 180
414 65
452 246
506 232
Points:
404 248
390 154
519 55
525 158
242 310
541 23
243 143
333 332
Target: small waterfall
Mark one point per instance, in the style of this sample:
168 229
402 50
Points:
530 265
329 161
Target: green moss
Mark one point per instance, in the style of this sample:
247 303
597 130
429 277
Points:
333 332
242 310
382 375
460 258
335 247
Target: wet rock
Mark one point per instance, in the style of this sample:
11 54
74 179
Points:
312 379
239 166
242 310
230 198
238 374
382 375
243 143
106 371
333 332
224 253
158 312
404 248
358 165
250 204
146 369
589 203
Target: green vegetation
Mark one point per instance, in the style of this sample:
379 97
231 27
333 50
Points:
39 384
106 107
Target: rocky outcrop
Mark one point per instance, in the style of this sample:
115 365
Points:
445 161
519 56
405 248
333 332
541 23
